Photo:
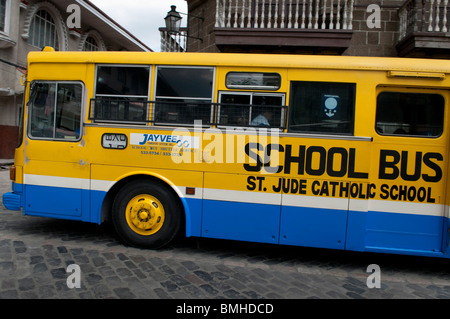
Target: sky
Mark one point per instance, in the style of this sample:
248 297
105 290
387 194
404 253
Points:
142 18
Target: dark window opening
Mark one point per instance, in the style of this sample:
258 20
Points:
251 109
322 107
410 114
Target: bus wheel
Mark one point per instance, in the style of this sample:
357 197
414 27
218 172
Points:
146 214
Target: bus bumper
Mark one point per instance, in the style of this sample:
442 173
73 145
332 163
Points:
12 201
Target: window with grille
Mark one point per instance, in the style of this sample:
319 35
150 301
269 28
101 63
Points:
184 95
90 45
43 31
121 94
251 109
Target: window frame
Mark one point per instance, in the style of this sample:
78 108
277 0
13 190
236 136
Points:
88 45
32 32
253 87
165 98
30 111
136 98
252 94
94 35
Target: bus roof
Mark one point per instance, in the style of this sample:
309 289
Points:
242 60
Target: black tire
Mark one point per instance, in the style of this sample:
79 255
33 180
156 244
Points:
153 217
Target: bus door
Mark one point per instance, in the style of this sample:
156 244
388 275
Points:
411 155
56 173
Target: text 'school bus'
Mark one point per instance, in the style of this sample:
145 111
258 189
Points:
333 152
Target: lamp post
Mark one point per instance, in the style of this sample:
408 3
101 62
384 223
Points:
173 21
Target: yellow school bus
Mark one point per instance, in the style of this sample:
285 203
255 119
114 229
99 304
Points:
336 152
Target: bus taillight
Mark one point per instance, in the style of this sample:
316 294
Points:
12 173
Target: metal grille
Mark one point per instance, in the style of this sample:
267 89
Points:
122 110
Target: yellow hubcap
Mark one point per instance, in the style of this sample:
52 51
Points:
145 214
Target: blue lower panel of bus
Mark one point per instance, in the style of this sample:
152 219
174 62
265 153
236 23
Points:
241 221
313 227
326 228
372 231
263 223
57 202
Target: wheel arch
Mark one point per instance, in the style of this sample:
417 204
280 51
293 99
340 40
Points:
108 201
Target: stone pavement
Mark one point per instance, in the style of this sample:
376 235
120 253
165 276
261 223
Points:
35 254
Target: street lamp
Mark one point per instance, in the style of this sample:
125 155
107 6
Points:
173 21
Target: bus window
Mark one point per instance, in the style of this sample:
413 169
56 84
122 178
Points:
253 81
251 109
322 107
234 109
55 110
184 95
121 93
410 114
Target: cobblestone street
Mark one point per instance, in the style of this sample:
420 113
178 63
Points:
35 254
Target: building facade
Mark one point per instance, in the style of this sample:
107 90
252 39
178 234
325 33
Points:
63 24
389 28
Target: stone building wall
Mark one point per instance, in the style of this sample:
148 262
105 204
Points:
366 41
